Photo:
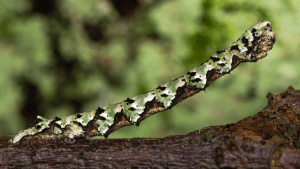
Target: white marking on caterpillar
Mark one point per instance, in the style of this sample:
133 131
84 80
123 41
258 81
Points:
250 47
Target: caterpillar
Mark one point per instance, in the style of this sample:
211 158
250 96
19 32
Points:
250 47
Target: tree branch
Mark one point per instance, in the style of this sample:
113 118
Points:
267 139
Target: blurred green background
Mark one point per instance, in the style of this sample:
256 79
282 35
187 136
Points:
60 57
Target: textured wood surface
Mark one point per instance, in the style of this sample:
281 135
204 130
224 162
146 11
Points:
268 139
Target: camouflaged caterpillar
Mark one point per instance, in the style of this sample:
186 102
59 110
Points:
250 47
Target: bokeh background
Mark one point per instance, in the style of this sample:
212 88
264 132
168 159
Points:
60 57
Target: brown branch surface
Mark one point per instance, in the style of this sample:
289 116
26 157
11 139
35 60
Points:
268 139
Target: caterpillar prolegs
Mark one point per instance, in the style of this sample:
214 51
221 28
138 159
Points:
250 47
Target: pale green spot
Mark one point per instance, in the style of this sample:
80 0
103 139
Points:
186 78
124 106
103 125
67 121
166 100
157 92
221 55
201 70
140 100
172 86
200 84
163 100
211 62
133 115
110 110
86 117
57 131
225 69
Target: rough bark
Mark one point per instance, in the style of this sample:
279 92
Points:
268 139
